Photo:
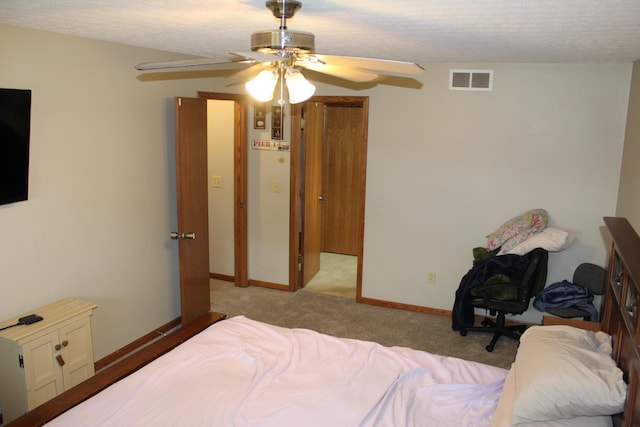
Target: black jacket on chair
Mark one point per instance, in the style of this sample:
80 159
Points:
510 265
506 289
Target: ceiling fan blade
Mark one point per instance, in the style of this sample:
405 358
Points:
250 71
147 66
260 56
385 65
351 74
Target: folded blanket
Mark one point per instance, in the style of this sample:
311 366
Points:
517 230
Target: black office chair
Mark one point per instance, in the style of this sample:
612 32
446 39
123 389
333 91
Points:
587 275
504 297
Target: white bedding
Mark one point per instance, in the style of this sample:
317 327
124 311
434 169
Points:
241 372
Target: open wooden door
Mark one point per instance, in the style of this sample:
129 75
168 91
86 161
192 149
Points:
191 186
312 190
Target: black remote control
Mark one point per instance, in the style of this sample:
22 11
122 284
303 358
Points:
27 320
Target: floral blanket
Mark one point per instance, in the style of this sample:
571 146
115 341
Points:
517 230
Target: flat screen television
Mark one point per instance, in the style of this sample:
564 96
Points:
15 128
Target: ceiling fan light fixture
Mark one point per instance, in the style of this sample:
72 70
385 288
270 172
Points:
298 87
261 86
277 52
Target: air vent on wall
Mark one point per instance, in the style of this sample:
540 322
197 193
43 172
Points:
470 79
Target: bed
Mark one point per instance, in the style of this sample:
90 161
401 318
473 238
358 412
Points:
241 372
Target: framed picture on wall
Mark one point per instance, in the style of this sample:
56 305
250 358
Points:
276 122
259 116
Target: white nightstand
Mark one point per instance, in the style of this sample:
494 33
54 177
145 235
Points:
43 359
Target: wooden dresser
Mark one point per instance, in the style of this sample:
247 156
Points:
41 360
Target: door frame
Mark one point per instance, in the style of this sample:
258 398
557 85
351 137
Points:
240 184
294 196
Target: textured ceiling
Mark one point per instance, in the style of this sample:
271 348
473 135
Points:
413 30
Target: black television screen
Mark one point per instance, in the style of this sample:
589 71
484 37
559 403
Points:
15 126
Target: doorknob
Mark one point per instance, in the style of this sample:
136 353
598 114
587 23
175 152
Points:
182 236
321 198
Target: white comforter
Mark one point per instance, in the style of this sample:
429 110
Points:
240 372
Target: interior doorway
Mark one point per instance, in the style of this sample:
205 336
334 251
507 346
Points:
235 181
329 142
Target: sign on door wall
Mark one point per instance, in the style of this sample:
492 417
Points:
269 145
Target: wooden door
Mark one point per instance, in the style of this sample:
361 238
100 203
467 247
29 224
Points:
191 186
312 190
342 181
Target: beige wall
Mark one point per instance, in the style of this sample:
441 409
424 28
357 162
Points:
629 194
220 129
102 187
268 211
445 168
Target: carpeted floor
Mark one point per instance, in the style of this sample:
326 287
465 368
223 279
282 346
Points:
343 317
337 275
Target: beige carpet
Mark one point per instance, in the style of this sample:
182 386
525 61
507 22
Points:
337 275
343 317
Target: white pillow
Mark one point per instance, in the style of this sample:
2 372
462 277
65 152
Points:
565 372
552 239
503 414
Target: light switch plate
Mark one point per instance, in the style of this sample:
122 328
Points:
216 181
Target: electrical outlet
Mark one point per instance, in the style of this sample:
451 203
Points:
431 277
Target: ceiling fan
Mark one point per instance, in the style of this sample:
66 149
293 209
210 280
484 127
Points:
276 56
